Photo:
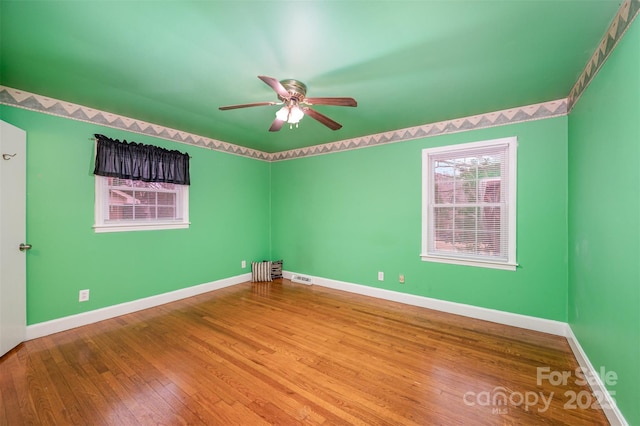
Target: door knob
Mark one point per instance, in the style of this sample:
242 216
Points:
25 247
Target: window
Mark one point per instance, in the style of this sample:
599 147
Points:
134 205
140 187
469 204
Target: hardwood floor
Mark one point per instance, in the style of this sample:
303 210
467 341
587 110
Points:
283 353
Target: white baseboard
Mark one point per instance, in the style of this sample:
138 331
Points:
66 323
608 404
501 317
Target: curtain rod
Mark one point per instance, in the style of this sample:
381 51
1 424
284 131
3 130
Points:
95 140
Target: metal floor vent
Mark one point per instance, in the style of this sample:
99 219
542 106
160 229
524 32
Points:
301 279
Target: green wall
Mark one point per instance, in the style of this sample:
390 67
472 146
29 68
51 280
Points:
604 218
348 215
229 205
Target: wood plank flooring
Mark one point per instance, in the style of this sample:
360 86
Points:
288 354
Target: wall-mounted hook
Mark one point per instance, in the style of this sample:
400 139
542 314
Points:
8 156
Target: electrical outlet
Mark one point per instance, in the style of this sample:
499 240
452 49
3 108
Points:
380 276
401 279
244 264
83 296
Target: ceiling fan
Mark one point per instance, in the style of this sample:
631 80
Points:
292 94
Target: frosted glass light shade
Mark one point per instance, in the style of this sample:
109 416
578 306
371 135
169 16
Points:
290 114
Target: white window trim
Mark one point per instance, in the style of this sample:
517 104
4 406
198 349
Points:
100 214
510 264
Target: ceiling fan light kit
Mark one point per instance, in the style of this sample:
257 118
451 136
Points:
291 114
292 93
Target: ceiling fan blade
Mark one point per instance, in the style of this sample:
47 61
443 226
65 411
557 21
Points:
276 125
332 101
333 125
275 85
224 108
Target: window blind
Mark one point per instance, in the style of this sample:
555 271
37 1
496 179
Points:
468 203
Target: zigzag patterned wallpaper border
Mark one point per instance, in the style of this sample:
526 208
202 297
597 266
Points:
33 102
482 121
626 14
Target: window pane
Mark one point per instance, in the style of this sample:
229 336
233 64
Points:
443 168
443 189
491 190
166 213
491 219
166 199
466 218
120 212
444 245
443 218
489 243
145 212
118 197
465 242
146 198
465 191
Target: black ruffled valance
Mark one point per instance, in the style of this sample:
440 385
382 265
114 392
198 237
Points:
148 163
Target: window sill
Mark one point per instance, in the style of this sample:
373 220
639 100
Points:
120 227
470 262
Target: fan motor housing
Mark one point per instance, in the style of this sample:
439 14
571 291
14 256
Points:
297 89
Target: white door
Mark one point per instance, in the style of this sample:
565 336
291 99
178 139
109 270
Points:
13 295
